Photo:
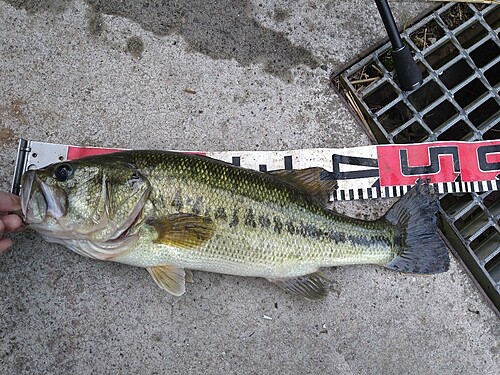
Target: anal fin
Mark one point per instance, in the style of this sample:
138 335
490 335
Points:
313 286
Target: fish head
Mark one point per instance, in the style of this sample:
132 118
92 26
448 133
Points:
83 200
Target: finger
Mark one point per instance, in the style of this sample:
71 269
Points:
5 243
9 202
11 223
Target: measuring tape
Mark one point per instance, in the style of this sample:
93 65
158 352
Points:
377 171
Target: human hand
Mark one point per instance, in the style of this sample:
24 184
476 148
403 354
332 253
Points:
9 222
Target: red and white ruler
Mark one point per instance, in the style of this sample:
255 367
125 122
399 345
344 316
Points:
367 172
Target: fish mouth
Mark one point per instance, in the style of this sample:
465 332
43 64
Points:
40 201
44 208
27 184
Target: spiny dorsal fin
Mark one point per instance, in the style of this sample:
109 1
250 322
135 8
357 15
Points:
183 230
313 286
316 181
171 278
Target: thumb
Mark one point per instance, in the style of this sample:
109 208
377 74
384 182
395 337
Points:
9 202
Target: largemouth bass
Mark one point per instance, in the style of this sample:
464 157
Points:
171 213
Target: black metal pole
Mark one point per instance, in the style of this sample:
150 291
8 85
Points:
408 74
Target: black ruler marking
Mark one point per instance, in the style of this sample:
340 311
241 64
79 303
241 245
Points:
354 160
482 152
351 194
435 164
342 195
401 190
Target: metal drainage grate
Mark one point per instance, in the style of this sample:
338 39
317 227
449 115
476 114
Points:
457 48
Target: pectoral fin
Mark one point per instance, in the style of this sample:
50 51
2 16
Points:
170 278
313 286
316 181
183 230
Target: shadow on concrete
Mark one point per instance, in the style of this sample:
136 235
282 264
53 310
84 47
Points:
221 30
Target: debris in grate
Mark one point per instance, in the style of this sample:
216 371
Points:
427 35
365 76
456 15
457 48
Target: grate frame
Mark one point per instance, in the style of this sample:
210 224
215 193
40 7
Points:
460 85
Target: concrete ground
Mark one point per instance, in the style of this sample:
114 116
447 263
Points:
231 74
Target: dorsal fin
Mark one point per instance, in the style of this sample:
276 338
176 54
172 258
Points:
316 181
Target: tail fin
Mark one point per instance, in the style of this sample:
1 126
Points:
420 249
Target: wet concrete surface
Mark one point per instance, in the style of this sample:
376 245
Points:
194 75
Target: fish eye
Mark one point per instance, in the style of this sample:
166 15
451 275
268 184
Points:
64 172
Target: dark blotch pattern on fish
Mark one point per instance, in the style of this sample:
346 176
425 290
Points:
278 225
250 219
337 237
234 220
264 221
220 214
196 209
177 201
290 227
310 230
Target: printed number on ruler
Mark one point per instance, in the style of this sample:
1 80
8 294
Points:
451 166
